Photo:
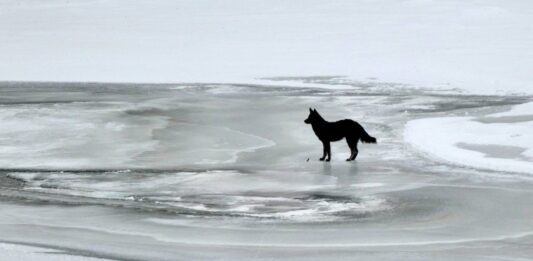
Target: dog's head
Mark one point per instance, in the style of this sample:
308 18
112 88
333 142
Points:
313 116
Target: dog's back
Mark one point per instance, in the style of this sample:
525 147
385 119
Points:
334 131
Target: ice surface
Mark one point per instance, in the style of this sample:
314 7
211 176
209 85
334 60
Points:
231 172
29 253
480 46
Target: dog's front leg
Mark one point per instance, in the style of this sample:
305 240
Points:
328 151
324 149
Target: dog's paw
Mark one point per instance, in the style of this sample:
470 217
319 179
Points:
321 159
328 160
348 159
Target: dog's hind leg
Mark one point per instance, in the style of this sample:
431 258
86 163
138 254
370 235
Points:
351 153
352 143
354 153
351 149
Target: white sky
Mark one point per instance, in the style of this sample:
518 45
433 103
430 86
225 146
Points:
479 46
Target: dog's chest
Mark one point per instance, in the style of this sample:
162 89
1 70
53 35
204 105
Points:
318 130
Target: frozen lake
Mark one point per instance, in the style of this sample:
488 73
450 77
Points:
204 171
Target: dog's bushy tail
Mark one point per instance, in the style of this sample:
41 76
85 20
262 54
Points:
367 138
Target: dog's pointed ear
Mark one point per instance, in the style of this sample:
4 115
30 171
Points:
314 110
310 110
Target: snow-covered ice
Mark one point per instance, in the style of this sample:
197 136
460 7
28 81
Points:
501 141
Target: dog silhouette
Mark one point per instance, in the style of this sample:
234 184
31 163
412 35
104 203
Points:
335 131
